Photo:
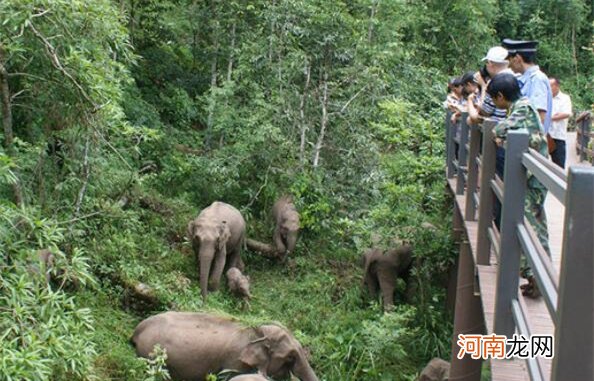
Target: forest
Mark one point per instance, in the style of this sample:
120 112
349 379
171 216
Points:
123 119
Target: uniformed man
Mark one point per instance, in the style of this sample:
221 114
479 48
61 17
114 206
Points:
534 83
504 89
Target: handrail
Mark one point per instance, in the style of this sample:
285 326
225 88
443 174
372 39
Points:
548 178
569 301
547 283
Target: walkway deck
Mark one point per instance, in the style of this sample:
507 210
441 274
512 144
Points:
538 316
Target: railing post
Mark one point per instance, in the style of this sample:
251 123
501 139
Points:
587 138
584 137
574 336
508 271
475 140
462 153
451 169
485 214
468 318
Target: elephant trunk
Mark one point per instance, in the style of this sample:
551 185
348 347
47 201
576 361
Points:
205 257
303 370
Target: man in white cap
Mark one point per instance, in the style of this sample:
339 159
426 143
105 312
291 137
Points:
495 63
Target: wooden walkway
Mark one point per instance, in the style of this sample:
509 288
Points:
538 316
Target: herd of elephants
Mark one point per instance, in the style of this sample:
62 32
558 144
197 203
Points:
199 344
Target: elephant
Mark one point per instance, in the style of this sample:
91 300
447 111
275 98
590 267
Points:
46 259
383 269
239 284
217 235
249 377
286 229
436 370
199 343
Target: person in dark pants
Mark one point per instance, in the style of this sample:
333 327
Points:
504 89
561 113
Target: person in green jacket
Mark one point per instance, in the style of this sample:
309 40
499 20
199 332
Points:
504 89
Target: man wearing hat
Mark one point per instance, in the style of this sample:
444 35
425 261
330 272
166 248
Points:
495 63
534 83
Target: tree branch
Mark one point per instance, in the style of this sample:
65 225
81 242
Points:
259 190
86 174
346 105
304 126
15 95
113 149
51 51
324 121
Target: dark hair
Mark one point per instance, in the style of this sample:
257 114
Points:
527 57
457 82
555 79
507 85
468 77
484 73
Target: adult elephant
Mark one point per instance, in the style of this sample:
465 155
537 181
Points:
383 269
286 219
217 235
249 377
198 344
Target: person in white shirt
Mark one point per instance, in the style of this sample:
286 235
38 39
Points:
561 113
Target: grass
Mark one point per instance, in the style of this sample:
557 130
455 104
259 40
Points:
318 297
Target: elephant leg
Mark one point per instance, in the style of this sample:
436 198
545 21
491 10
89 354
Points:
387 285
278 241
372 285
235 259
217 271
411 289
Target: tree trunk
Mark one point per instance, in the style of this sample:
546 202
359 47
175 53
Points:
304 127
6 107
213 75
86 172
374 6
231 52
6 104
267 250
324 121
574 51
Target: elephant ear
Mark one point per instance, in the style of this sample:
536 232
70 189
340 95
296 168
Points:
257 354
190 231
224 235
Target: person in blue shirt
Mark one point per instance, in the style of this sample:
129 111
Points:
534 83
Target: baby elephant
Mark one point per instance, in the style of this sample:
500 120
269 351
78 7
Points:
383 269
249 377
286 219
239 284
436 370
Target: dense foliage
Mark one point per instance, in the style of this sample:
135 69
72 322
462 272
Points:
123 119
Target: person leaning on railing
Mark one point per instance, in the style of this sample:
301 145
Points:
495 63
455 102
504 89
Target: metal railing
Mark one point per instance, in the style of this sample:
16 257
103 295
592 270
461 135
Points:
570 297
584 136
